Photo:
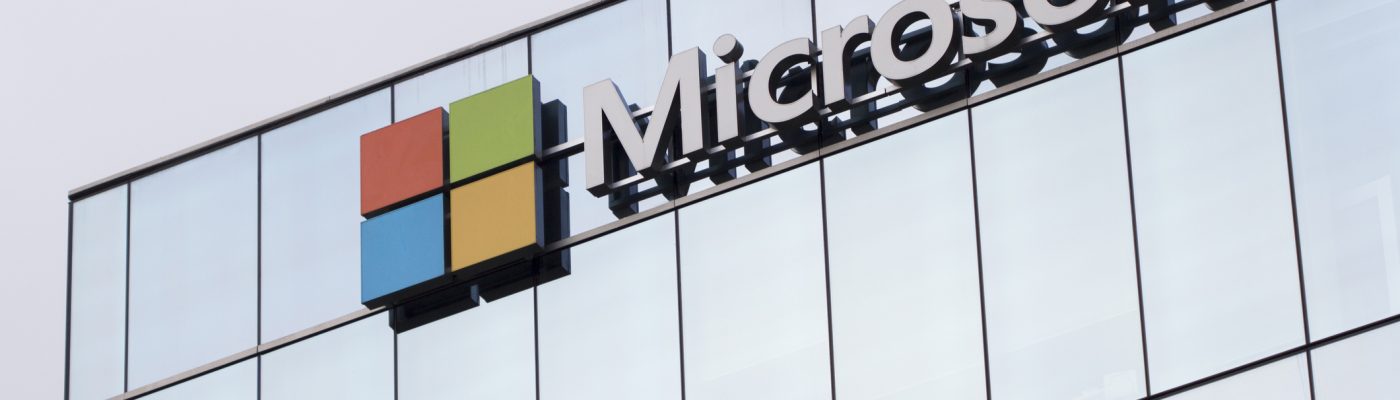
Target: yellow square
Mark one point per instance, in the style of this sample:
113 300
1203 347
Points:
496 216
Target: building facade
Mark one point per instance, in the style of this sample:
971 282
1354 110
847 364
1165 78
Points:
1088 199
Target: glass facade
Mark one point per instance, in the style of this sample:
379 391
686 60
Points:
1344 157
443 85
488 353
905 324
235 382
636 354
1285 380
1195 212
583 51
98 296
193 272
1215 228
765 335
309 216
355 361
1053 199
1360 367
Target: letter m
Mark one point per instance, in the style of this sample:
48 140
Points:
605 111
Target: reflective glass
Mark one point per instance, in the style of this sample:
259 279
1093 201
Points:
832 13
753 292
610 329
235 382
1210 175
625 42
487 352
760 25
1361 367
905 300
444 85
97 303
310 216
355 361
1057 242
194 266
1285 379
1339 60
840 12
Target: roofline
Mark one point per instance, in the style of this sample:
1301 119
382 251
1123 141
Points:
344 96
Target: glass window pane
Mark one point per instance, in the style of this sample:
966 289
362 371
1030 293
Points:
1210 174
442 86
355 361
839 12
906 311
310 216
1345 146
832 13
97 306
1285 379
625 42
194 266
487 352
753 290
760 25
235 382
1360 367
610 329
1057 241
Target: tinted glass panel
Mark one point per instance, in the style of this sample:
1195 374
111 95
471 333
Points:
1360 367
1057 241
840 12
753 289
487 352
355 361
235 382
905 301
442 86
1281 380
310 216
610 329
97 325
1339 60
1215 226
194 266
626 43
760 25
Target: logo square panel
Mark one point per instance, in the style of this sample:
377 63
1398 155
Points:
401 248
401 161
493 129
497 218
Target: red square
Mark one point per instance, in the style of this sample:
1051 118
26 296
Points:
401 161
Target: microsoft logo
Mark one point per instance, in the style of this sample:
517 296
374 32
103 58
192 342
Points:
456 191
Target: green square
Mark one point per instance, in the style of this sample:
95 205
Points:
494 128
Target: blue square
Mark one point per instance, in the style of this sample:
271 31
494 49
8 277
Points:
402 248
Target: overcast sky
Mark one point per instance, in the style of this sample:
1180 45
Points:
89 88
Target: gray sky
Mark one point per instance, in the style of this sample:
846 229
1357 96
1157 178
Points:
89 88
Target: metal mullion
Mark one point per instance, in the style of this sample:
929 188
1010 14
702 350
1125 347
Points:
826 271
977 233
68 314
1132 207
1292 192
535 324
680 309
1305 349
126 324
